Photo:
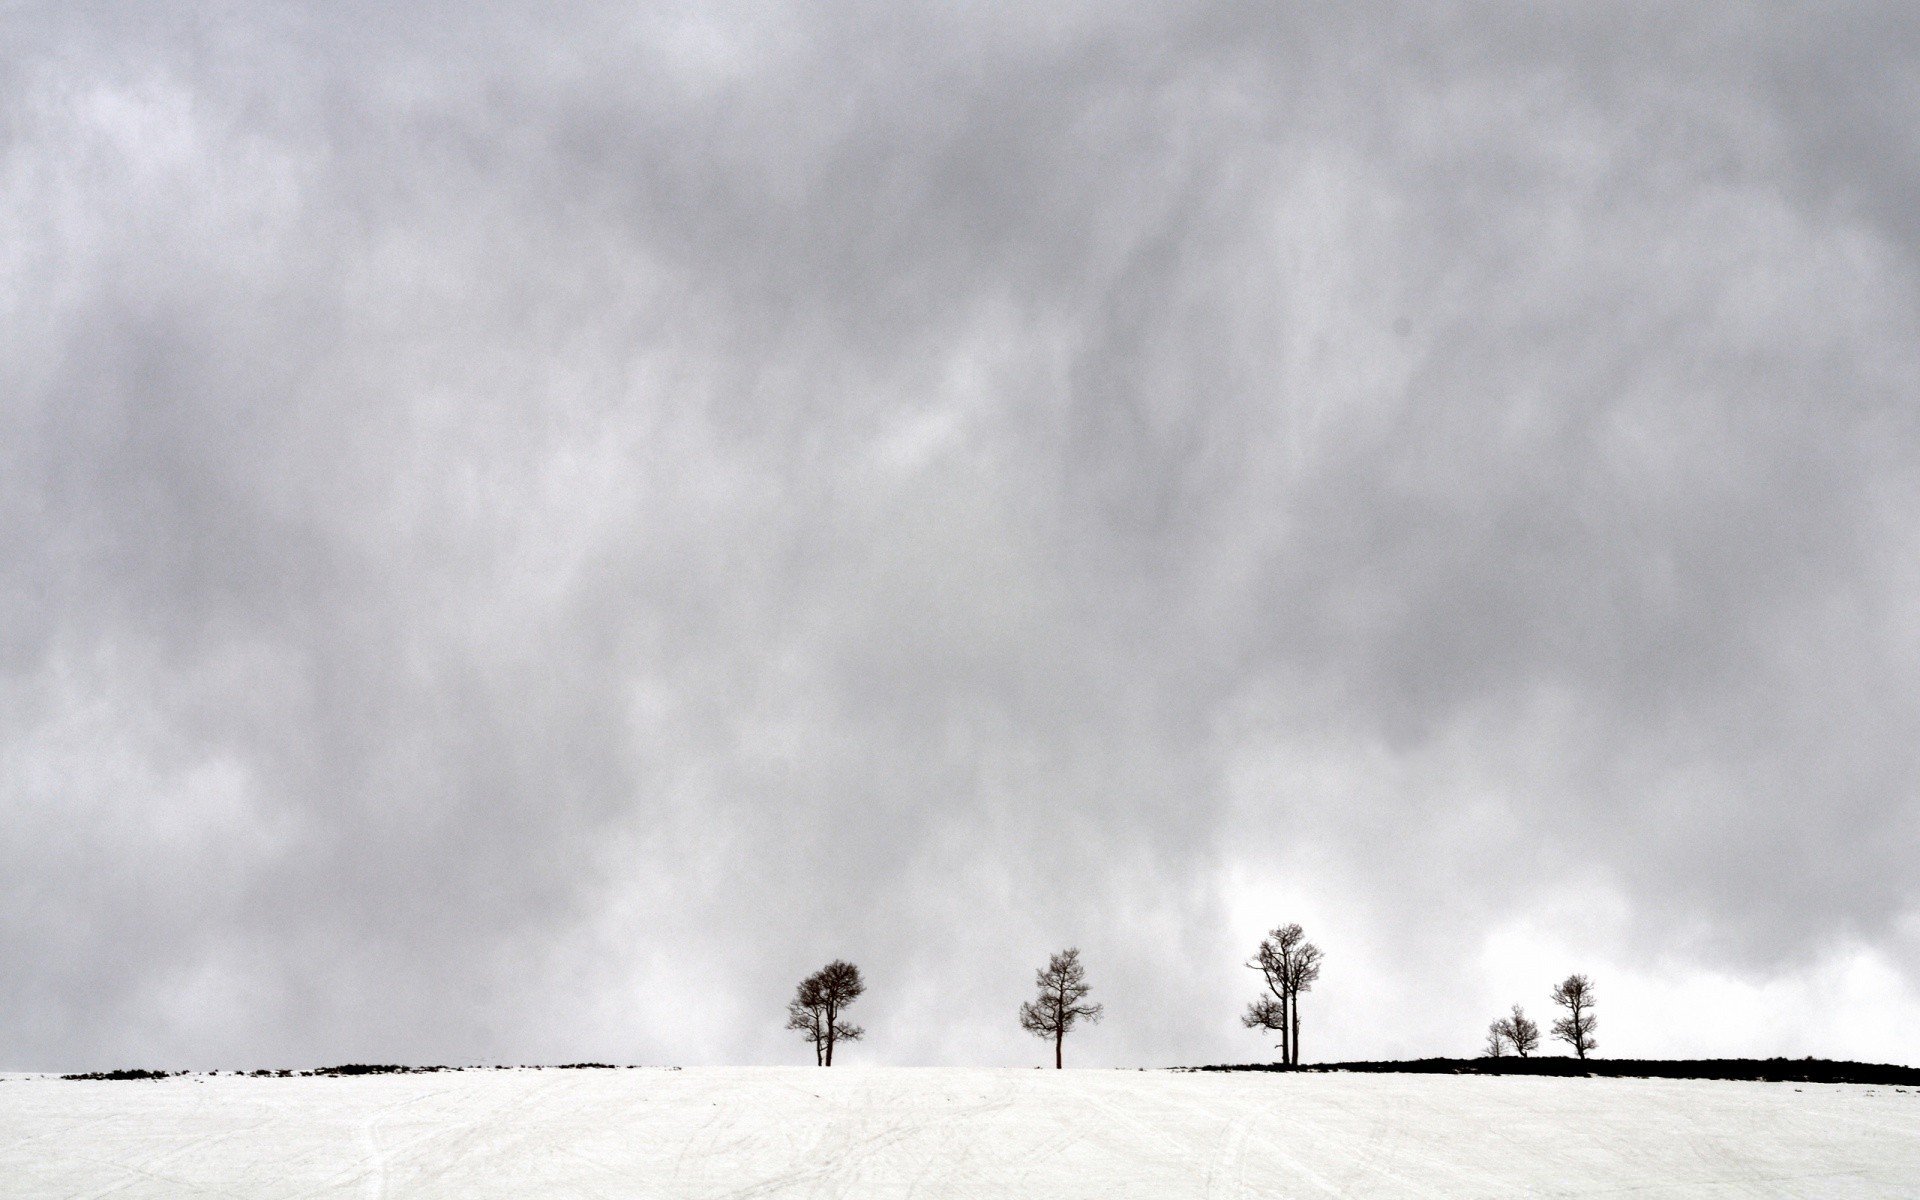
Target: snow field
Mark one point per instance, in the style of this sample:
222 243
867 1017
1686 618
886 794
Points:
947 1134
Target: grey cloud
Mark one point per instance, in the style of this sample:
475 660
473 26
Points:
708 490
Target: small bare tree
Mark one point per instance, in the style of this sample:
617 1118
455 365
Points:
1059 1006
1523 1034
817 1004
1513 1032
1575 994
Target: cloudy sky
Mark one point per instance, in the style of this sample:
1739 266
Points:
527 528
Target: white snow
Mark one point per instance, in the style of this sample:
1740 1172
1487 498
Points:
945 1134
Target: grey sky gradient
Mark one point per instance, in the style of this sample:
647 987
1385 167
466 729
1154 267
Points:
525 529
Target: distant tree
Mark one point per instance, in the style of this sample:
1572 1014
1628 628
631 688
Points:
1059 1006
1289 964
1513 1032
818 1003
1522 1034
1575 994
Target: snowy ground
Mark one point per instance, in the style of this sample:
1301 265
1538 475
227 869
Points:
944 1134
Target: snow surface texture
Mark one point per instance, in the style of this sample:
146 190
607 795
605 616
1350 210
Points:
852 1132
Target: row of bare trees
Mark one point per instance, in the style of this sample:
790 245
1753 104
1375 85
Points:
1288 964
820 1002
1574 994
1287 961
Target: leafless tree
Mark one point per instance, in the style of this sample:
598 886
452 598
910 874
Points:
1522 1034
1059 1006
817 1004
1496 1040
1575 994
1289 964
1513 1032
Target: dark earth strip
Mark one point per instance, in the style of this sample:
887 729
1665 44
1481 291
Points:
1775 1070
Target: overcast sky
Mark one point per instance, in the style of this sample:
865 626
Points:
527 528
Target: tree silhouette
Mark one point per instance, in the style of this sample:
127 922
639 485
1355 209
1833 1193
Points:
1523 1034
817 1004
1515 1032
1274 960
1575 994
1059 1007
1289 964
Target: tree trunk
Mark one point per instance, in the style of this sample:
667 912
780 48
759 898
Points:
1286 1044
1058 1037
1296 1031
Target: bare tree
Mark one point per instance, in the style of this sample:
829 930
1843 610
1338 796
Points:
1058 1008
817 1004
1271 960
1496 1040
1269 1012
1289 964
1522 1033
1575 994
1515 1032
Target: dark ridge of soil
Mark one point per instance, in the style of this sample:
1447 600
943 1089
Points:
1770 1070
353 1069
374 1069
